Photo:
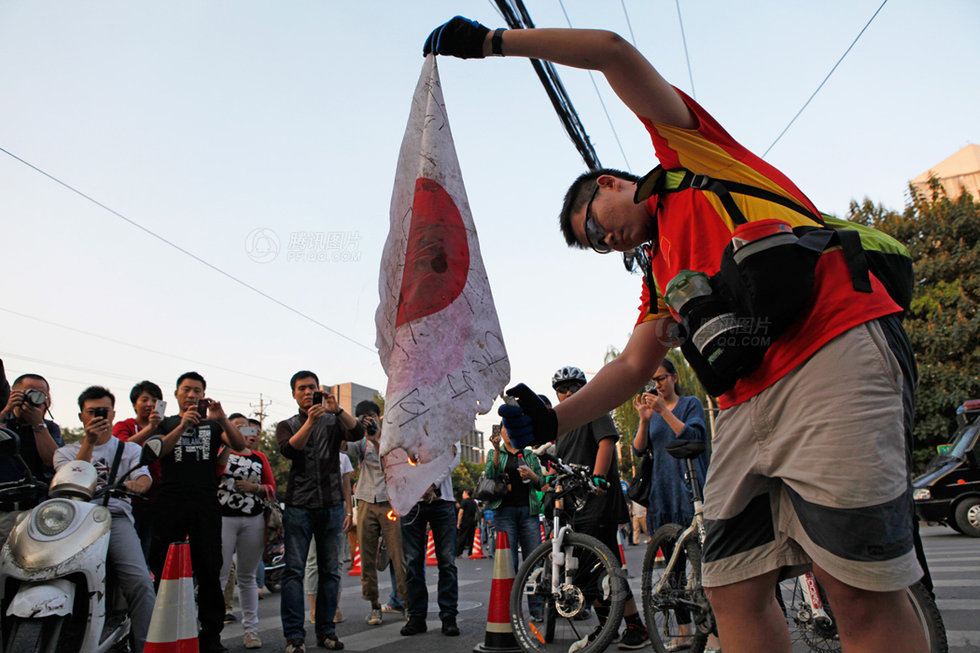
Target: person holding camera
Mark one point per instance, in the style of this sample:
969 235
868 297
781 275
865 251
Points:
187 505
312 440
374 513
665 415
112 458
30 398
516 513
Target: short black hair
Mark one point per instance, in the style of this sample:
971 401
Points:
365 407
578 196
193 376
237 416
302 374
24 377
94 392
254 422
149 387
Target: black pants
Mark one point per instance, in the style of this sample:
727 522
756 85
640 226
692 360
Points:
201 524
464 542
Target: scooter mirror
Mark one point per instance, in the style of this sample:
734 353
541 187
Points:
151 450
9 442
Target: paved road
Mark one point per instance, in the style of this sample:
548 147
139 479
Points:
954 560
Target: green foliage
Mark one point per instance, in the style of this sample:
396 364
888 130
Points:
71 435
465 477
943 238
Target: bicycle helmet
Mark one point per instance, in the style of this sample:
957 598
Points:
568 374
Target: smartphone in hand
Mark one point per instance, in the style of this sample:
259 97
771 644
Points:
202 408
161 408
101 411
317 398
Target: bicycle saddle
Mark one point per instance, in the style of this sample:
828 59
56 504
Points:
685 448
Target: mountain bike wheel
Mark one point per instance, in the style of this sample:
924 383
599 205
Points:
677 618
592 574
808 632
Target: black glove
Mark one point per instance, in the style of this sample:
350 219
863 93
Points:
529 421
460 37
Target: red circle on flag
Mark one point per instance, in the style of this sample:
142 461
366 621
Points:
437 258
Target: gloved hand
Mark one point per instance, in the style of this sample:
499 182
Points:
460 37
529 421
600 482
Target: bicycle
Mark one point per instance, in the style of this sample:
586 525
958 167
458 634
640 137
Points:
560 580
673 596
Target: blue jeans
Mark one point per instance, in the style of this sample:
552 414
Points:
522 529
442 519
300 525
393 599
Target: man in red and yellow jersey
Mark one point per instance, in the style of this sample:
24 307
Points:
809 465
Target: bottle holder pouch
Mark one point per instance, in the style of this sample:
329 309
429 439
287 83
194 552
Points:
764 283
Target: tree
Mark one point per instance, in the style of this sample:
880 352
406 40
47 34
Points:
465 476
943 239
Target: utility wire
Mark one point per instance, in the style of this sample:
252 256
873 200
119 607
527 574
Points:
690 71
629 25
129 344
599 95
805 104
188 253
553 87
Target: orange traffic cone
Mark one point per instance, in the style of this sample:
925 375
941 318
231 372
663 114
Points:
477 552
173 626
543 536
355 569
430 552
660 556
500 635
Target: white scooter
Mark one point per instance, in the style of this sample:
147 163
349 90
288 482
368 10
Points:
53 589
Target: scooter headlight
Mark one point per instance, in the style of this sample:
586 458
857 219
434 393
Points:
54 517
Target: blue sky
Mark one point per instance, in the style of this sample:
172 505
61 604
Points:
206 121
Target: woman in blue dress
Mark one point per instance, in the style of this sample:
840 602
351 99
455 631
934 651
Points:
665 415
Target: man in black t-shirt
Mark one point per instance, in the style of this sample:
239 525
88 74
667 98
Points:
187 502
466 523
594 444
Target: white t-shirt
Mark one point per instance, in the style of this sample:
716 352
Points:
345 465
102 457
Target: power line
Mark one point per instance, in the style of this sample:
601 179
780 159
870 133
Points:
129 344
186 252
690 71
599 95
629 25
805 104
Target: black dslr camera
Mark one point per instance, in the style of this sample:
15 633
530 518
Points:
35 397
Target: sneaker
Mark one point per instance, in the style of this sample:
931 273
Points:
295 646
449 627
338 616
386 607
230 618
252 640
374 618
414 626
635 637
329 641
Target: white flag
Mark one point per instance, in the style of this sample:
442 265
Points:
438 336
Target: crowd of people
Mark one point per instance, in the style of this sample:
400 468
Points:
212 486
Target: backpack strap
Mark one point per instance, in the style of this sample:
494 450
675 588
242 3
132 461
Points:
818 239
115 468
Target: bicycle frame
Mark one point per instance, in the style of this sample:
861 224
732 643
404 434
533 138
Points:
696 526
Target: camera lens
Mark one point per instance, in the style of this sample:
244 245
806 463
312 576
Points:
35 397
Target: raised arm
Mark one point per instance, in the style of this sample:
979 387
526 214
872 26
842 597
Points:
631 76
